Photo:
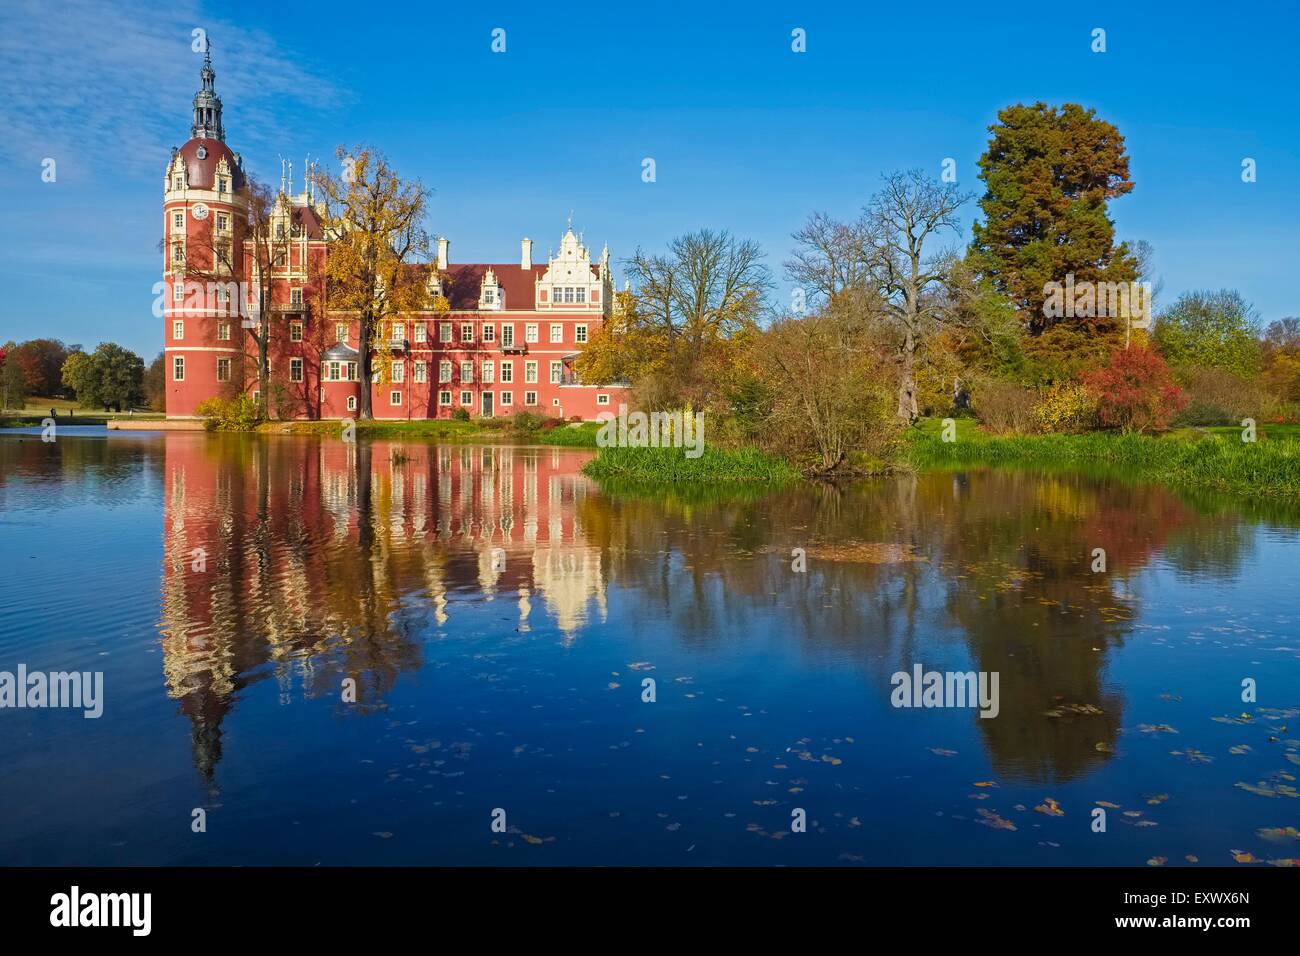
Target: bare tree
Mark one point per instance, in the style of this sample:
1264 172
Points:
708 287
909 210
830 257
883 267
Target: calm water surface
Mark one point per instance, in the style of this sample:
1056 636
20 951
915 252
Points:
499 613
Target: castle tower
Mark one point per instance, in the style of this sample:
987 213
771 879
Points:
204 220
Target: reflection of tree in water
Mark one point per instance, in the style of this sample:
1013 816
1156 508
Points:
1001 560
107 469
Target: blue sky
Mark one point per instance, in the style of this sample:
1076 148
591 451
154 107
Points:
746 135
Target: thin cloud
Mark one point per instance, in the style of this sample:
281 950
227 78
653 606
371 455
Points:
104 86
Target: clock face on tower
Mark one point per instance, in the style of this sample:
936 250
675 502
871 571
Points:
199 211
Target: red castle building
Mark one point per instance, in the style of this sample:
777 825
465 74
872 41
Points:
506 343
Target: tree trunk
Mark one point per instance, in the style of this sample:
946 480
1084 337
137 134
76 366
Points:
364 411
907 410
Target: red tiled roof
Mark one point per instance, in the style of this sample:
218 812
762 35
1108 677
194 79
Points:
462 283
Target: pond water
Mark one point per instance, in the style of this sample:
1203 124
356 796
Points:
500 615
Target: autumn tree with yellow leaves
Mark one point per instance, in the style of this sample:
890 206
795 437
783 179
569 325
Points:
378 247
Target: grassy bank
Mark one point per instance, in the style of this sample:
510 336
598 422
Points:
568 436
1215 459
439 429
671 464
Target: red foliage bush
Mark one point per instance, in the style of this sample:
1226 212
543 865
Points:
1137 391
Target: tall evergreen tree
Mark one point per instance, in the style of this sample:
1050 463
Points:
1049 172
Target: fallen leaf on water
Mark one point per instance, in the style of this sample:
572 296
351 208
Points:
1050 807
941 752
1285 861
1239 749
1108 805
382 834
1278 834
985 783
1241 856
535 840
1156 729
1157 799
991 819
613 686
1157 861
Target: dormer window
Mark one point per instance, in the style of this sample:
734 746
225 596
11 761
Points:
491 296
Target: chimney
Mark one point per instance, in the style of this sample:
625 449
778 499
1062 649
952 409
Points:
442 254
526 254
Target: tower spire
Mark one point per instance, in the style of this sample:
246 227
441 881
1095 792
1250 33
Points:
207 105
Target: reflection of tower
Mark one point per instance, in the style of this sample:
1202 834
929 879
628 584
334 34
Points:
569 578
311 552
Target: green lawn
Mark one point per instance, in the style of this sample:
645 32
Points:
66 412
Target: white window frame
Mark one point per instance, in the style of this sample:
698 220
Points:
394 397
444 332
557 373
467 331
580 333
444 397
420 373
530 400
530 372
295 369
397 372
530 333
421 332
178 368
352 403
557 332
467 372
507 398
223 365
444 372
466 399
295 331
178 330
602 399
488 371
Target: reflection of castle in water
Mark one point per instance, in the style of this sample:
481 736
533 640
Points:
304 560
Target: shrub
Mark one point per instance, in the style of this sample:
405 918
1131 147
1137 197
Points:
526 421
1220 397
238 414
1003 407
1136 391
1066 407
460 414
